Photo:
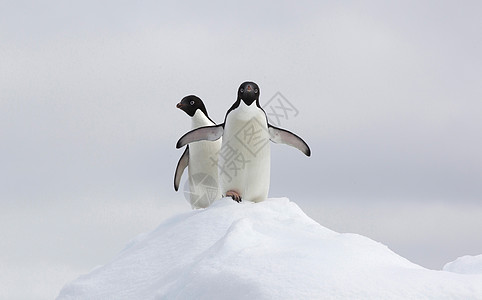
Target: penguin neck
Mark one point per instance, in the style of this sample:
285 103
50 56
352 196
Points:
199 119
253 107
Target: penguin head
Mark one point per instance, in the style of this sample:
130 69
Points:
190 104
248 92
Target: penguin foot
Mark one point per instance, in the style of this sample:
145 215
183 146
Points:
233 194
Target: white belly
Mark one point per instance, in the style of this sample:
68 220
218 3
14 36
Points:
244 159
203 173
202 167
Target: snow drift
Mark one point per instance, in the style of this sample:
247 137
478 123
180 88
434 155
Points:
465 265
267 250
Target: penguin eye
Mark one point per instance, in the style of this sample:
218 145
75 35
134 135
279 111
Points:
255 91
241 90
192 102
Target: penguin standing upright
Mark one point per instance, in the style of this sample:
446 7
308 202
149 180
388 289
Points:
200 157
244 158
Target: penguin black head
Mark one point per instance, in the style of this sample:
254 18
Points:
248 92
190 104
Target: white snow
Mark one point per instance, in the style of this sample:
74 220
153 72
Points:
465 265
267 250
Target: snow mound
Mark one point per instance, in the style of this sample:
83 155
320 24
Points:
465 265
267 250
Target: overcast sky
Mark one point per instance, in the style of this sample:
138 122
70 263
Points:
388 96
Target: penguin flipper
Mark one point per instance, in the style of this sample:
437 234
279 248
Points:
278 135
209 133
181 165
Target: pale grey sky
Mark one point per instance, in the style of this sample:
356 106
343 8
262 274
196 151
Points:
389 99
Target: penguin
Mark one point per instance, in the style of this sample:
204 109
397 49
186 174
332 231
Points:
244 157
201 158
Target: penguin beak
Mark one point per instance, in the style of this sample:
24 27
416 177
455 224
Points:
249 88
179 105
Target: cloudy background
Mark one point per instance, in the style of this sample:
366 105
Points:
389 99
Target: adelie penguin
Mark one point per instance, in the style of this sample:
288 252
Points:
201 158
244 159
